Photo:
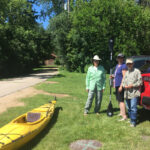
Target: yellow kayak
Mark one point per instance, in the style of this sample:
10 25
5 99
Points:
25 127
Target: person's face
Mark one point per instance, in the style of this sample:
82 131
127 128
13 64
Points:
96 63
120 59
130 66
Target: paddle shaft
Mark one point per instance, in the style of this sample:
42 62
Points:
111 54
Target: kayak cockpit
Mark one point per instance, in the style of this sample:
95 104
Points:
29 118
32 117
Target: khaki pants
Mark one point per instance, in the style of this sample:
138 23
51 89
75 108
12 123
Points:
98 100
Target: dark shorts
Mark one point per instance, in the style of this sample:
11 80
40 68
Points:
119 95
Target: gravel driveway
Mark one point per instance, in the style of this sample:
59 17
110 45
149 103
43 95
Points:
13 85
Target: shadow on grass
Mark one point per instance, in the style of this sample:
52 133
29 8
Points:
48 67
30 145
143 115
45 70
114 110
28 72
59 76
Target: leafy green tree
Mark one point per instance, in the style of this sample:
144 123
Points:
59 28
23 43
95 22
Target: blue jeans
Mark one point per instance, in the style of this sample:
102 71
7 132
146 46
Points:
98 100
132 109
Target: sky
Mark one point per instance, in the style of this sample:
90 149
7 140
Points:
46 21
41 21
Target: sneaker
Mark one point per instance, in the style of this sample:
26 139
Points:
97 113
85 114
132 125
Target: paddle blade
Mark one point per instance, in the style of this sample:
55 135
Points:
110 110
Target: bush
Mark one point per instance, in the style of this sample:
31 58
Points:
23 43
95 22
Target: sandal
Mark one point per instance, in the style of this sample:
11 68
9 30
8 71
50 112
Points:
122 119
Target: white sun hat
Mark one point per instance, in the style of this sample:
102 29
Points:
96 57
129 61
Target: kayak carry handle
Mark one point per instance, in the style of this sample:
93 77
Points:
53 101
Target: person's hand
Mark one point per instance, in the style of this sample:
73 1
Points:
103 90
111 76
129 86
87 90
120 89
126 87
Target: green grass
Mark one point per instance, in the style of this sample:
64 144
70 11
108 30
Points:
69 124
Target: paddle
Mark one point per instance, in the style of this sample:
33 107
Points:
110 106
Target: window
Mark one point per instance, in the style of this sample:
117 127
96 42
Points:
145 68
139 63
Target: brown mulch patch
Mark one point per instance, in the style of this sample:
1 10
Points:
51 94
145 137
51 82
85 144
12 100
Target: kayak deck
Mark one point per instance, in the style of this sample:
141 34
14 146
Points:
25 127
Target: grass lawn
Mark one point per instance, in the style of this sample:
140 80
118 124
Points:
69 124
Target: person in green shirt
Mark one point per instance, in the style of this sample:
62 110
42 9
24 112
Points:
95 85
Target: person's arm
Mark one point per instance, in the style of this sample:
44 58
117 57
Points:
121 85
87 80
104 79
123 81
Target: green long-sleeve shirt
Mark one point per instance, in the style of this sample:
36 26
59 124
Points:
95 78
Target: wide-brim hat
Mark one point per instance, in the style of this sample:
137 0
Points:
96 57
129 61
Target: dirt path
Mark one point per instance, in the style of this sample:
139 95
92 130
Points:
12 90
12 100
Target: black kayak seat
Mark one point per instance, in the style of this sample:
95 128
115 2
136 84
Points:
32 117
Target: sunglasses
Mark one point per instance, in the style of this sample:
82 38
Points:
129 63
